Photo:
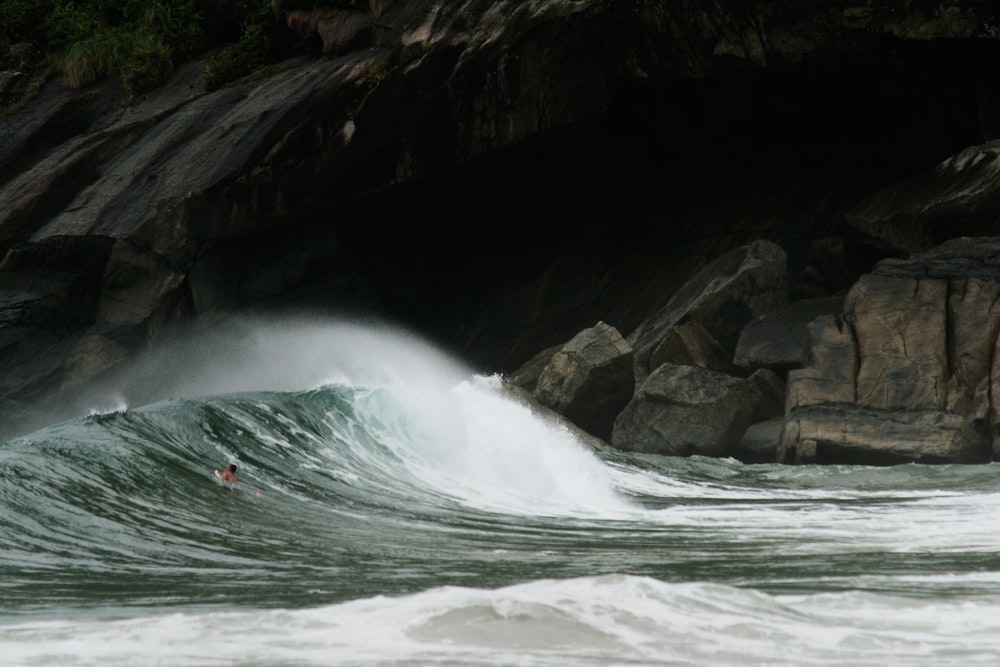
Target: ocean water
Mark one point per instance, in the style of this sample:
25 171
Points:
396 508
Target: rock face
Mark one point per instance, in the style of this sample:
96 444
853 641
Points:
904 372
908 372
590 379
779 340
956 197
123 222
721 299
501 175
688 410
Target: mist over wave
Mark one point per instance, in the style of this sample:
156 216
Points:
280 354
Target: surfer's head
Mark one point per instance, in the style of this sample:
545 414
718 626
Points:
232 467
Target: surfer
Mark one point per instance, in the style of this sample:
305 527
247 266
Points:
231 478
229 474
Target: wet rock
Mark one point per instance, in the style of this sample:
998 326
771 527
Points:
907 374
779 339
589 380
688 410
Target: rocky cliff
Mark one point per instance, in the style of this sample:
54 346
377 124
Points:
503 176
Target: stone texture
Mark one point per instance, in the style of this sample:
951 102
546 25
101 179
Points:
690 344
882 437
830 374
956 197
900 328
689 410
331 31
779 340
907 375
761 441
526 377
589 380
721 298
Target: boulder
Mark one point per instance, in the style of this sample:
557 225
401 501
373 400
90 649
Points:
761 441
831 367
346 183
848 434
721 298
908 373
527 375
690 344
589 380
331 31
528 400
779 339
689 410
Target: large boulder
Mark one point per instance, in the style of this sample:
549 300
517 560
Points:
526 377
722 298
690 344
909 373
779 340
690 410
589 380
761 441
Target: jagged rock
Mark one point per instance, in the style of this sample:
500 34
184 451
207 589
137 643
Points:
883 437
779 340
527 375
722 298
331 30
689 410
956 197
907 374
831 366
589 380
689 344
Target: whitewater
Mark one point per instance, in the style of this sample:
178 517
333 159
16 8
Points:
397 508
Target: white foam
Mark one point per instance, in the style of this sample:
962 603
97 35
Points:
472 443
604 620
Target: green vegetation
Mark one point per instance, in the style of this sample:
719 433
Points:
241 58
141 42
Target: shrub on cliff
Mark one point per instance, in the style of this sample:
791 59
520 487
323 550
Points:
249 53
139 41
